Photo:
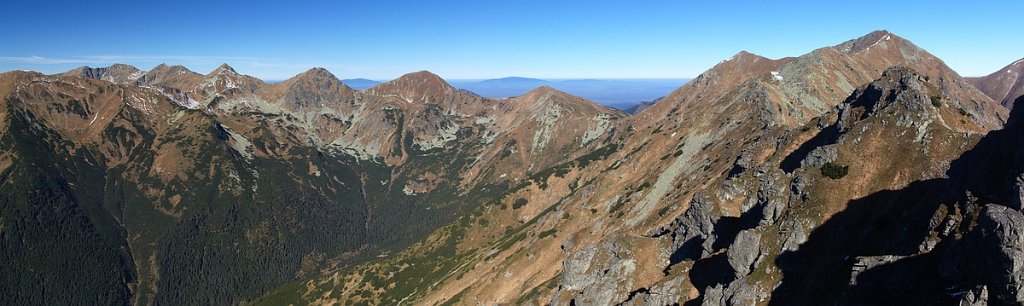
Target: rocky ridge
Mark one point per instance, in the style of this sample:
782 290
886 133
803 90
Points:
1003 86
862 173
740 205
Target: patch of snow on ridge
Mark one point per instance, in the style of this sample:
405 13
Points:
884 38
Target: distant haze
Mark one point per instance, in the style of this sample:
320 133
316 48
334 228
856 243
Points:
617 93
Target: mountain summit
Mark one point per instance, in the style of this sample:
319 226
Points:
416 85
116 73
223 69
1005 85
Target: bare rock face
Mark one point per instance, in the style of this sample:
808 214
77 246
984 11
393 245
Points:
978 297
770 196
597 275
744 252
736 293
693 233
666 293
819 156
996 257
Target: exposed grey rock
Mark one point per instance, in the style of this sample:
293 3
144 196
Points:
819 156
770 195
737 293
865 263
698 222
799 186
743 162
995 253
744 252
795 236
693 230
991 255
664 293
900 92
977 297
732 189
1018 188
714 296
597 274
742 293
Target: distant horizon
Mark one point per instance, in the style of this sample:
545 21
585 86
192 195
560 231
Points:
481 40
346 77
366 78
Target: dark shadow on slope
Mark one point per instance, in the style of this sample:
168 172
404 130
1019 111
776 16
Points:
991 169
908 281
725 229
890 222
690 250
708 272
896 222
860 105
825 137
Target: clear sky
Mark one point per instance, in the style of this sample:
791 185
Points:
484 38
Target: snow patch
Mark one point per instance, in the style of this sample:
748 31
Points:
776 76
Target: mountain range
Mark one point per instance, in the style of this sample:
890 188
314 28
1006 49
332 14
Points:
866 172
622 94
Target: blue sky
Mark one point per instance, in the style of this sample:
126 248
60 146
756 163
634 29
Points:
485 39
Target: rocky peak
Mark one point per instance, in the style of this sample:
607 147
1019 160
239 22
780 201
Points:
316 74
165 69
314 87
116 73
745 56
415 85
223 69
177 77
1003 86
875 38
118 66
898 89
544 90
85 72
316 79
741 67
546 96
742 60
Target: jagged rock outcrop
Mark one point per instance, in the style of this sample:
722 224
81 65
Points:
596 275
744 252
693 234
996 253
737 293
